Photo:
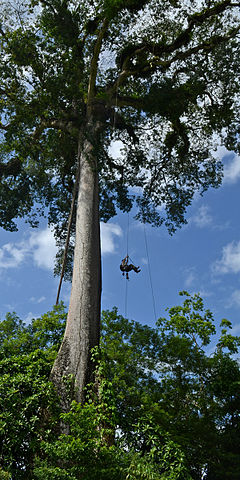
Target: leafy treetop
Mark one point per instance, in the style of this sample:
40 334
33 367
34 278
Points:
158 76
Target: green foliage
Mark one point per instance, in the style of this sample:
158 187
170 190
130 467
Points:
163 458
90 450
166 376
190 320
28 403
164 89
161 407
112 7
4 475
82 453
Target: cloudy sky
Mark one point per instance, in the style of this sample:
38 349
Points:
203 256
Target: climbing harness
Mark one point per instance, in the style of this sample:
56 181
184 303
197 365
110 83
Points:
126 267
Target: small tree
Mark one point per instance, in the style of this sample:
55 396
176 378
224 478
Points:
160 76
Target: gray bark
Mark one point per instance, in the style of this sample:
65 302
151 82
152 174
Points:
83 321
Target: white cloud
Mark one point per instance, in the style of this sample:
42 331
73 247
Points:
230 261
12 255
189 276
40 246
235 298
190 279
202 218
37 300
43 248
205 293
220 151
232 170
108 232
41 299
236 329
231 163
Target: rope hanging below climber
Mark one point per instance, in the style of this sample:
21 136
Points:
126 267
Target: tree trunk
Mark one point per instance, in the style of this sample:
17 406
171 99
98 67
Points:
83 321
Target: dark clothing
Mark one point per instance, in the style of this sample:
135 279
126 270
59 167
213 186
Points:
125 267
128 268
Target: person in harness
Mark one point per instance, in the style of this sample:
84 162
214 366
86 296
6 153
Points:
126 267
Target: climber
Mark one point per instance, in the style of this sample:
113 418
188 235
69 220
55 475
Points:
126 267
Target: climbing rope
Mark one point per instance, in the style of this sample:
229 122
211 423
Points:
126 298
149 272
69 224
126 288
116 105
127 233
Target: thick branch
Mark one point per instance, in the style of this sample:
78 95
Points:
125 73
54 123
182 40
152 66
94 63
205 46
195 20
141 103
125 101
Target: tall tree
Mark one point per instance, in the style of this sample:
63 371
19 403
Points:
159 76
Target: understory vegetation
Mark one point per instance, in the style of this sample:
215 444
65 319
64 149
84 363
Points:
164 406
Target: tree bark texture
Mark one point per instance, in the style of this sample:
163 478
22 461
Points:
83 321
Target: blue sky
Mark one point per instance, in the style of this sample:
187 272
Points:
203 256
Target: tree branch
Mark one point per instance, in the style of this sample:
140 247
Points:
197 18
2 32
54 123
94 63
208 45
125 101
205 46
126 71
183 39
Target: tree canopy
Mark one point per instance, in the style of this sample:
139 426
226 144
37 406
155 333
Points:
158 76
